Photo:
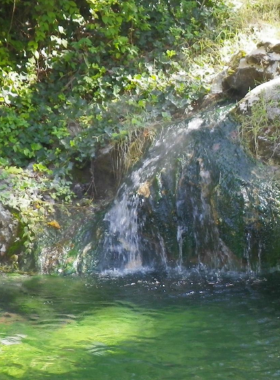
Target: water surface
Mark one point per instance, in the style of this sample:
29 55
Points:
140 327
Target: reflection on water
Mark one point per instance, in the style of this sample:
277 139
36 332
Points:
140 327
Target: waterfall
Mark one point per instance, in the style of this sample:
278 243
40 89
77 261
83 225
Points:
122 246
124 240
121 240
184 205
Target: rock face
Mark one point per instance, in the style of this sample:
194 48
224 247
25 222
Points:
245 72
8 230
205 202
68 250
196 198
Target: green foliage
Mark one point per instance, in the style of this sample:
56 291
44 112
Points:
66 66
25 193
79 74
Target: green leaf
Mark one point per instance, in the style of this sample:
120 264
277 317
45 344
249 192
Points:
36 146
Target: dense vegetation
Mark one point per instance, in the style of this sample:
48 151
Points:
77 74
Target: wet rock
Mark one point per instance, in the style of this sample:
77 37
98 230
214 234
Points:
99 178
209 204
65 250
103 172
144 190
245 72
197 198
8 230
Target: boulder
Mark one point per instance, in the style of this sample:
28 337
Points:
260 120
246 71
268 92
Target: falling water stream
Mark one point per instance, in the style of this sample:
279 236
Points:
122 244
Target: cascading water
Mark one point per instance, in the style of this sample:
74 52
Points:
196 200
180 231
124 243
122 240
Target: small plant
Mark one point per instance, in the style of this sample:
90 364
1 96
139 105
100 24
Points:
129 148
257 132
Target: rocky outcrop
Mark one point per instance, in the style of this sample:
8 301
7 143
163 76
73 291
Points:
197 198
259 114
246 71
269 93
8 230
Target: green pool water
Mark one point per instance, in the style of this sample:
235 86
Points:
140 327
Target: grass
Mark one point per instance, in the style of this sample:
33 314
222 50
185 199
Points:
258 133
264 11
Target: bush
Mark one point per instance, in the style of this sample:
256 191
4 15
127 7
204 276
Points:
68 63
